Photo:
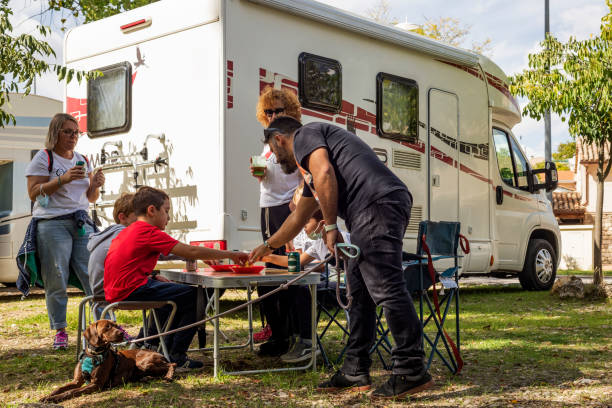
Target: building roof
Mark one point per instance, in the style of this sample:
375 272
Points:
567 203
587 153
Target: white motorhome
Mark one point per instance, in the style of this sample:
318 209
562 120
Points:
175 109
18 143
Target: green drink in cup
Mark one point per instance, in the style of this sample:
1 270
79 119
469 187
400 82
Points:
258 164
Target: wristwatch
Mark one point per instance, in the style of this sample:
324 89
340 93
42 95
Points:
267 245
330 227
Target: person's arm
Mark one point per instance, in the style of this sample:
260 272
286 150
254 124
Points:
95 182
197 252
290 228
281 260
326 184
51 186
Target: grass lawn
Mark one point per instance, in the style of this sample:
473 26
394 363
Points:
521 349
577 272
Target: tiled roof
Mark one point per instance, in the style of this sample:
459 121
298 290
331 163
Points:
567 203
587 153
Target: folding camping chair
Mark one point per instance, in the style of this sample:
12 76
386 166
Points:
88 313
439 242
328 308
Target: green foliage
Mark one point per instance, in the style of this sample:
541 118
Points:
565 151
93 10
574 80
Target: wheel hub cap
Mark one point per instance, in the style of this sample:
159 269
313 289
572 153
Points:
544 265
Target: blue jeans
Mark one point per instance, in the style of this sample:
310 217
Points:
60 248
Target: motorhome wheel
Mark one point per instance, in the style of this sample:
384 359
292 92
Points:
540 266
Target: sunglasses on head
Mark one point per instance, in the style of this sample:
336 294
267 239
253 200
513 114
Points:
270 112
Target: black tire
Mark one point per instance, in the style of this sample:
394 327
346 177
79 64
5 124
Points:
540 267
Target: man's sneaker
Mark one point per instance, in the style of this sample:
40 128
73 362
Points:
263 335
398 386
299 352
60 341
126 335
342 382
273 348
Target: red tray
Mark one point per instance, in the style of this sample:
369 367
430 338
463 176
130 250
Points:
247 269
222 268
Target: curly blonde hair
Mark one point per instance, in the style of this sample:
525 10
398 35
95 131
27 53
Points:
267 99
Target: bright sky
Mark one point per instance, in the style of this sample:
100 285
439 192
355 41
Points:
515 28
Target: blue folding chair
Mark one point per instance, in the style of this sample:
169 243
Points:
438 241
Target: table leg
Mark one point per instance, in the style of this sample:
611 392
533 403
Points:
250 313
216 336
313 319
200 312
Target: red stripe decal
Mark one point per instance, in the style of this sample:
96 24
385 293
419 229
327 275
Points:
308 112
342 121
230 65
289 82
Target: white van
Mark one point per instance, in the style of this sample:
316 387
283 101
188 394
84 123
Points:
18 144
175 109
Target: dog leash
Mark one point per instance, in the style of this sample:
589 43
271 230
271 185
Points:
347 250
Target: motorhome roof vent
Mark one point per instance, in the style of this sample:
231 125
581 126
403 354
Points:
136 25
406 160
416 216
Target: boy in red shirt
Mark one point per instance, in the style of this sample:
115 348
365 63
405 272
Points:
134 253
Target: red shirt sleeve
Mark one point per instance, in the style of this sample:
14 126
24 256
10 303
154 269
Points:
161 242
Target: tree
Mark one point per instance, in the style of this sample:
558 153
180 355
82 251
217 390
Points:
93 10
574 80
24 57
565 151
445 29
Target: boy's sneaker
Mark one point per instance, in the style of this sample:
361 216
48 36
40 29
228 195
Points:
342 382
263 335
60 341
299 352
398 386
273 348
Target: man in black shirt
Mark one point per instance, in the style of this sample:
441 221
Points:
348 180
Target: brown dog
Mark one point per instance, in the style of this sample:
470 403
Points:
103 367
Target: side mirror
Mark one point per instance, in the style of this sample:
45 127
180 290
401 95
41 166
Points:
551 178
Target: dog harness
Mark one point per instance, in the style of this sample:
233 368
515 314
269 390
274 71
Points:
90 362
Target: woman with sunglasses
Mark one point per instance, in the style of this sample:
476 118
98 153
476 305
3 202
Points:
61 184
276 192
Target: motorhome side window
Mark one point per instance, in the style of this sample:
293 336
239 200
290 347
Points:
320 85
6 198
109 100
397 107
513 166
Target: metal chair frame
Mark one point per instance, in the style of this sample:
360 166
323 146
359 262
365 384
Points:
88 314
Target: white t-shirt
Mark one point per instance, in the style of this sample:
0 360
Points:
302 242
70 197
318 250
277 187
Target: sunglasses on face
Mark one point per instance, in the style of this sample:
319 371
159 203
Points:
70 132
270 112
